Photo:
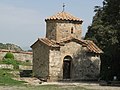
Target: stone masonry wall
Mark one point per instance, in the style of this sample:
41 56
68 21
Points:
51 30
58 30
20 56
55 65
56 59
85 65
41 60
65 29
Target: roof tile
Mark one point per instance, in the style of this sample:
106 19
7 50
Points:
86 43
92 47
63 16
48 42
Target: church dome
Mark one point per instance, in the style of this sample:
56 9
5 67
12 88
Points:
64 16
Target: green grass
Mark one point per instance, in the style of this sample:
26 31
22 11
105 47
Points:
7 81
28 63
9 61
15 63
6 78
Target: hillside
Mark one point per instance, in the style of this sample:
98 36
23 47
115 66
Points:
10 46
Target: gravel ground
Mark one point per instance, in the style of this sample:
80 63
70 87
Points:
90 85
87 85
11 88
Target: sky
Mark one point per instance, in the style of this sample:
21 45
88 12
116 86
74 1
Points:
22 22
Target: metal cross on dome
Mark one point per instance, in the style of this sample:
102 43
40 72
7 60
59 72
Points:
63 7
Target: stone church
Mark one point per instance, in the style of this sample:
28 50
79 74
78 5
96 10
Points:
62 54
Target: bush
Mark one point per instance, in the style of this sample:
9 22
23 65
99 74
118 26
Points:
11 61
9 55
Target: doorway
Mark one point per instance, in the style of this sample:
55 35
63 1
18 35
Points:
67 67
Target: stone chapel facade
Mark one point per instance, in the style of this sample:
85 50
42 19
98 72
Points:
62 54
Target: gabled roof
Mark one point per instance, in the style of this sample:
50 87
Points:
85 43
48 42
64 16
91 46
71 38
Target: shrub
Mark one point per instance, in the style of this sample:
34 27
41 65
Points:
9 55
11 61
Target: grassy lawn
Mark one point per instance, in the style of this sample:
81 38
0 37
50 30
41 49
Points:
6 75
8 83
6 78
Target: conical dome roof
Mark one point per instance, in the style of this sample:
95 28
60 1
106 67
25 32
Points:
64 16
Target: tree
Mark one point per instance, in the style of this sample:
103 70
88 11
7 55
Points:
105 32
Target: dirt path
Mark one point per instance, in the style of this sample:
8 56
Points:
11 88
91 86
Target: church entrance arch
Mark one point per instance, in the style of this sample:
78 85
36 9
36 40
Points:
67 67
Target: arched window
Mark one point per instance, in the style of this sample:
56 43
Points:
72 30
